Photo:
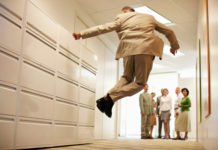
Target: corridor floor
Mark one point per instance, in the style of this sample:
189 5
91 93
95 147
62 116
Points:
135 144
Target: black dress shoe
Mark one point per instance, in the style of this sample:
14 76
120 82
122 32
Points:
177 138
108 106
101 104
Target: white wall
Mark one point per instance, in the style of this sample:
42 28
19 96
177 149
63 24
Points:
207 129
48 81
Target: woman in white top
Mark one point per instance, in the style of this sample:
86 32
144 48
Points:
165 111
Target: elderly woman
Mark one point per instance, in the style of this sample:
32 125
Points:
182 123
165 111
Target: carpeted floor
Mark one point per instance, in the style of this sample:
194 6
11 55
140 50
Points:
135 144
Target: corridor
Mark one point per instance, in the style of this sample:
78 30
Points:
135 144
49 82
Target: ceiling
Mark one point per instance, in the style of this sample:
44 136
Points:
183 13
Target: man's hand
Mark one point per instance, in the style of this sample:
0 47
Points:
169 114
76 35
179 105
177 113
173 51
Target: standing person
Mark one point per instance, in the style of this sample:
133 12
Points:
158 114
146 107
153 117
138 47
176 107
165 111
182 123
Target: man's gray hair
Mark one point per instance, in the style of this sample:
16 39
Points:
128 8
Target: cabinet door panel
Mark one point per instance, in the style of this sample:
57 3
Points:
87 97
35 106
7 134
66 65
64 134
9 66
65 112
8 98
86 133
33 135
37 79
89 57
66 40
88 78
40 22
86 116
38 50
10 35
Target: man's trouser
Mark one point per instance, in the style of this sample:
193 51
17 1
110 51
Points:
159 126
176 116
138 66
145 125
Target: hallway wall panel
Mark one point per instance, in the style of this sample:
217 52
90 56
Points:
33 134
7 129
86 116
207 128
85 134
33 75
10 33
38 50
34 105
68 65
47 80
88 77
65 112
66 42
8 100
66 89
40 22
64 134
15 7
9 65
87 97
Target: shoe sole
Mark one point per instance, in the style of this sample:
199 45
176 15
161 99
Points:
99 105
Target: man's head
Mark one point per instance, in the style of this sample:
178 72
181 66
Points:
127 9
146 88
177 91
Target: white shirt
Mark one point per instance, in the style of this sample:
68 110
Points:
178 101
165 103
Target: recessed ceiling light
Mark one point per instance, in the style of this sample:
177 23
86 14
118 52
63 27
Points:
167 52
146 10
96 58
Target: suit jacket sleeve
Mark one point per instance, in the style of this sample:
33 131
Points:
101 29
170 35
